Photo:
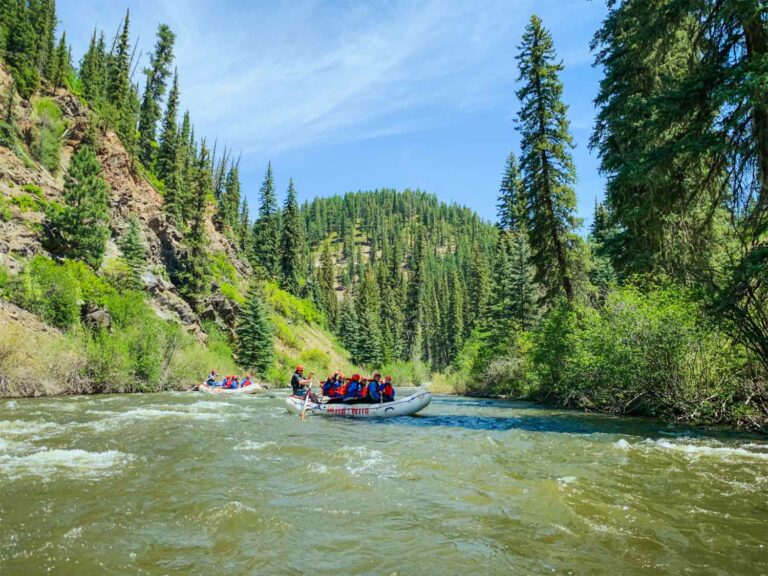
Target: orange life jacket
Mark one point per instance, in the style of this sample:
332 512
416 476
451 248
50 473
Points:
363 391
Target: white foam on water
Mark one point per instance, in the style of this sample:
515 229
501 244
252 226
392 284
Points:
29 429
74 533
251 445
11 405
73 463
112 419
362 461
565 480
11 447
695 450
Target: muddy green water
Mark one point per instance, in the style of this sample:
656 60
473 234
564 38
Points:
192 484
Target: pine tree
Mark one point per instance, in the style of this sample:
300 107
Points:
546 165
229 204
478 287
511 205
134 251
21 48
79 228
349 328
193 275
326 283
157 75
266 232
255 345
244 230
93 71
414 308
167 166
291 243
521 284
455 328
119 91
501 313
368 309
62 66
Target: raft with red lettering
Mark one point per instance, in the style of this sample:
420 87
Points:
405 407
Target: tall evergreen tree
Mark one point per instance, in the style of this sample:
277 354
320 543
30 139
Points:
349 328
455 328
79 228
229 202
414 307
326 283
93 71
193 275
62 65
255 345
501 313
167 166
266 232
546 164
157 76
291 242
511 204
120 92
21 47
134 251
368 309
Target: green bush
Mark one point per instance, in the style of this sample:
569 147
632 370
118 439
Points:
34 190
316 358
5 211
284 332
289 306
49 290
48 128
650 353
25 203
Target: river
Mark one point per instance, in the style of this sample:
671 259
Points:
190 484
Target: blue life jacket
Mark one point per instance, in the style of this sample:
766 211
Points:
374 391
352 389
327 387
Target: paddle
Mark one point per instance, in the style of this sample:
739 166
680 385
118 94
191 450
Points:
302 414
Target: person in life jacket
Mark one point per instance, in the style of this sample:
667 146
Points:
338 389
374 389
330 384
387 390
246 381
211 380
299 383
353 389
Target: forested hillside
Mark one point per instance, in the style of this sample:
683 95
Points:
123 233
129 233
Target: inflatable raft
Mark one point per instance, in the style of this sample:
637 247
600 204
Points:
250 389
405 407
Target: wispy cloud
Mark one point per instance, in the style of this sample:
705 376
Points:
280 76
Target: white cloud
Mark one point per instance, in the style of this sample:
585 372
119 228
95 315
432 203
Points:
280 76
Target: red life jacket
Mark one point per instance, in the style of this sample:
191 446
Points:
363 391
246 382
388 390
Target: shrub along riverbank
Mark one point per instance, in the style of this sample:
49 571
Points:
651 352
137 352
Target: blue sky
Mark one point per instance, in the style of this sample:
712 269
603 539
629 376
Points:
357 95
